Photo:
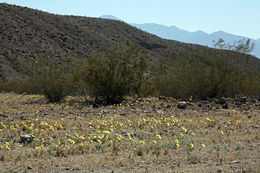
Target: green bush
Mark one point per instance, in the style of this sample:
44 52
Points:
54 91
50 79
206 78
119 74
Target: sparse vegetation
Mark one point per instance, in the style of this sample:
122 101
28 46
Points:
241 46
190 139
123 133
119 74
205 77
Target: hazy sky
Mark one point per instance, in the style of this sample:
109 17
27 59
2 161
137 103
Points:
240 17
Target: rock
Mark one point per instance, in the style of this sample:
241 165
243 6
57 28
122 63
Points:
160 112
235 161
182 105
3 115
147 133
29 167
243 99
129 133
256 126
168 106
225 106
26 139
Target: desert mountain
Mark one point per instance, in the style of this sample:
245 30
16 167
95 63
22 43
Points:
109 17
28 33
198 37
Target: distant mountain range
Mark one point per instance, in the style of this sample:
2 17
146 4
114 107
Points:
109 17
198 37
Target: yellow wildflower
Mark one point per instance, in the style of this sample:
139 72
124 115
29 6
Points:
191 145
106 132
185 130
141 142
158 136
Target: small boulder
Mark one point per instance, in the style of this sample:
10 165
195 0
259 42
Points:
225 106
3 115
182 105
209 107
243 99
26 139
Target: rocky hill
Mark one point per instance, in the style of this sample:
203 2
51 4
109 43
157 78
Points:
28 33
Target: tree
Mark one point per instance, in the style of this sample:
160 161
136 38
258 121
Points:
243 46
119 74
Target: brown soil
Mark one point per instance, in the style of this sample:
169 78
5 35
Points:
230 136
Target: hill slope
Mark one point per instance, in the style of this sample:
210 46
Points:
28 33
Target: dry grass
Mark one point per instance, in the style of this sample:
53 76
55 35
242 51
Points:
148 135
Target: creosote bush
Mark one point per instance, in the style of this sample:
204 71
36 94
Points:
118 74
124 71
54 91
205 77
50 79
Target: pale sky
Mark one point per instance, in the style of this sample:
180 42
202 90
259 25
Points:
239 17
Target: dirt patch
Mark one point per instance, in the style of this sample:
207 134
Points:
139 135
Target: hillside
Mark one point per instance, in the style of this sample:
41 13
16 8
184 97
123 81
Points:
28 33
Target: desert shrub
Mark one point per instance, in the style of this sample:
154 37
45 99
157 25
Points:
18 87
202 78
49 78
184 81
54 90
118 74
